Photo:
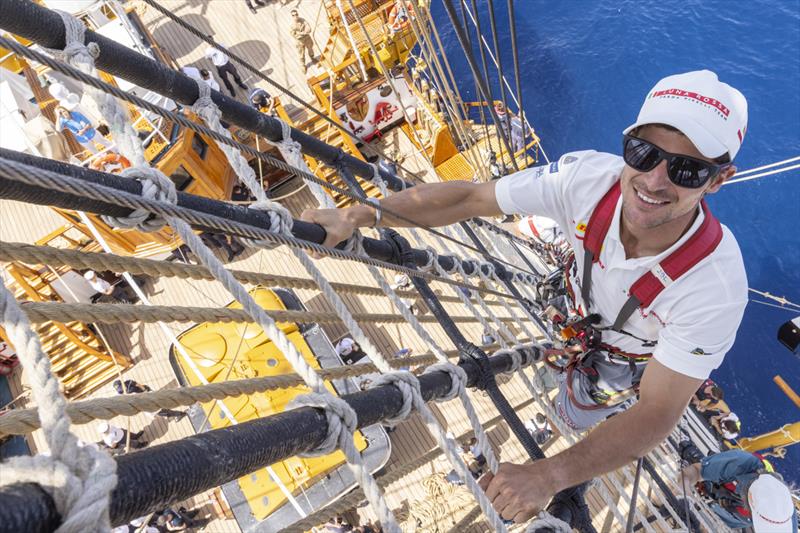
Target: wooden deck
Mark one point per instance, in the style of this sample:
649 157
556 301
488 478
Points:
261 39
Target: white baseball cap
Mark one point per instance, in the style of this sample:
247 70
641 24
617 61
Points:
712 114
770 504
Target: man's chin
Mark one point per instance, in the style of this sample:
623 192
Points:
641 220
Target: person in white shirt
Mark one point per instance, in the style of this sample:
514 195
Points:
97 283
224 67
680 149
209 79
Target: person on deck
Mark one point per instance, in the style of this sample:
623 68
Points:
225 68
680 148
743 491
81 128
708 398
130 386
301 31
260 3
206 76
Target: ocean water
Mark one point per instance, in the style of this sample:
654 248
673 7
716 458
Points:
586 67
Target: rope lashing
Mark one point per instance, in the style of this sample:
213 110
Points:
548 522
291 151
342 422
79 479
378 181
458 379
155 186
79 55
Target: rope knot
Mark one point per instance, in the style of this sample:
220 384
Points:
155 186
75 51
280 221
342 420
355 244
408 384
204 106
548 522
433 259
458 379
378 181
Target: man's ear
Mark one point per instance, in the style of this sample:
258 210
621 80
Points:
726 174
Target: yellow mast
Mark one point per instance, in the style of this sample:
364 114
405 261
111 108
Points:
783 436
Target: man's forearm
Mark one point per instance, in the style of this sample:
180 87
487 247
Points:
616 442
430 204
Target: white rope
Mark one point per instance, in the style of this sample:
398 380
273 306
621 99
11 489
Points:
548 521
408 384
762 174
291 152
342 424
210 113
764 167
340 417
79 479
81 56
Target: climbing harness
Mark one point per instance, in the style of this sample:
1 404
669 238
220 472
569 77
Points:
582 335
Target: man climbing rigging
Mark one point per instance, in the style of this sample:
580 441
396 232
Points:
660 282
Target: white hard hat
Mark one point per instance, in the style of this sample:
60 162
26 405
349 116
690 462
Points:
103 427
771 505
712 114
89 274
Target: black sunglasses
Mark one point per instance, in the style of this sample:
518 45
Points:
683 171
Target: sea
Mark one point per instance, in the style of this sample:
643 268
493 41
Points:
585 69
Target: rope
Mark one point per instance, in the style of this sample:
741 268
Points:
549 523
91 81
79 479
38 177
408 385
99 262
259 73
762 174
23 421
291 152
40 312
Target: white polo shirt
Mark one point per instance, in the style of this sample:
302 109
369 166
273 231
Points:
693 321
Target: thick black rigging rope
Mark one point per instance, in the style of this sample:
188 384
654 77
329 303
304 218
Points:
59 66
498 56
501 131
460 34
481 101
512 22
285 90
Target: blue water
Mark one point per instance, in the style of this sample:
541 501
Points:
586 67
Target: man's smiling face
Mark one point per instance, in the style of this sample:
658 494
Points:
650 199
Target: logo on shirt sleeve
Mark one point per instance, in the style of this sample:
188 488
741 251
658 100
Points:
699 351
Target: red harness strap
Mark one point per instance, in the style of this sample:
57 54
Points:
642 293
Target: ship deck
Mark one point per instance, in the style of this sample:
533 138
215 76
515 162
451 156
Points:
231 23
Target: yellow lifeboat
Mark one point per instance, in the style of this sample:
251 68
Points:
230 351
